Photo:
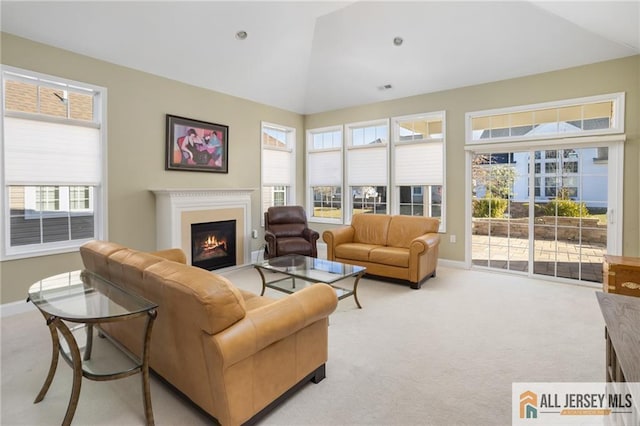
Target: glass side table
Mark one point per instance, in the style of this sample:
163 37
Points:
76 301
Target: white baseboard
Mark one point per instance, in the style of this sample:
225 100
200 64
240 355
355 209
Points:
257 255
452 264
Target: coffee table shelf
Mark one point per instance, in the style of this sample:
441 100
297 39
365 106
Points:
295 272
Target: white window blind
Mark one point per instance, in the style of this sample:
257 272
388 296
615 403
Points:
47 153
325 168
277 167
367 166
419 164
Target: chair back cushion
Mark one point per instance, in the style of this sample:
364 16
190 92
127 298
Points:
286 221
194 296
95 256
207 300
370 228
403 229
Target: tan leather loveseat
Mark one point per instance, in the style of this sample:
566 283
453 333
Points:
402 247
231 352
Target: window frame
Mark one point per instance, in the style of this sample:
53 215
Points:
348 199
616 125
100 207
426 188
613 139
290 191
310 133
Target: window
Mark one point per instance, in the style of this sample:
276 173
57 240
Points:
53 145
363 170
418 164
279 196
80 198
561 152
367 167
278 165
595 115
47 198
324 174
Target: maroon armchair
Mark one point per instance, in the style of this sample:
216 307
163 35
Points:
286 232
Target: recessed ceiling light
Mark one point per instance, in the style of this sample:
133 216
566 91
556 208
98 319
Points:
241 35
398 41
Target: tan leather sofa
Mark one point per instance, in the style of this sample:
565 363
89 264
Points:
231 352
400 247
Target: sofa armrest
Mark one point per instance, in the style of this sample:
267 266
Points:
270 239
310 235
174 254
335 237
273 322
424 242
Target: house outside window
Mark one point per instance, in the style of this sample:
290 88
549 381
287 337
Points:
278 165
53 146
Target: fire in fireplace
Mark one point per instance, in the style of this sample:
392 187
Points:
213 244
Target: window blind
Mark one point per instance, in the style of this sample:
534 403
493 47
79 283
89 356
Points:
419 164
276 167
367 166
47 153
325 168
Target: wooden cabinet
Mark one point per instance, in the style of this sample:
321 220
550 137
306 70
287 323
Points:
621 275
621 317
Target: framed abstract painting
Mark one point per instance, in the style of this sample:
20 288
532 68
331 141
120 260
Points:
197 146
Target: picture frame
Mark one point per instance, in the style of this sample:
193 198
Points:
197 146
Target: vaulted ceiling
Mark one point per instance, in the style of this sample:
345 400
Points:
313 56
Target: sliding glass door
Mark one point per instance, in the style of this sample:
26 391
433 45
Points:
542 211
500 214
570 189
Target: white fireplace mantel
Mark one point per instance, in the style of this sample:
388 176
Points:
175 206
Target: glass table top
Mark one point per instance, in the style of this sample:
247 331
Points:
310 268
82 295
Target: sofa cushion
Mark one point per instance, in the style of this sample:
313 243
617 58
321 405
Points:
95 255
293 245
127 266
392 256
354 251
403 229
287 230
209 299
370 228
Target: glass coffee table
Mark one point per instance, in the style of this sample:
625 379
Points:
307 271
72 303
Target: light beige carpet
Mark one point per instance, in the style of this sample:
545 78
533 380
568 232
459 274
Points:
442 355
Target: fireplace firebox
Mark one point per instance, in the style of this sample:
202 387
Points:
213 244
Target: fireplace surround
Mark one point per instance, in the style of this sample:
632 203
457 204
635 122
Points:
178 209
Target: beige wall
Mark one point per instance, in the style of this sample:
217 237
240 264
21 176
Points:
608 77
137 105
138 102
